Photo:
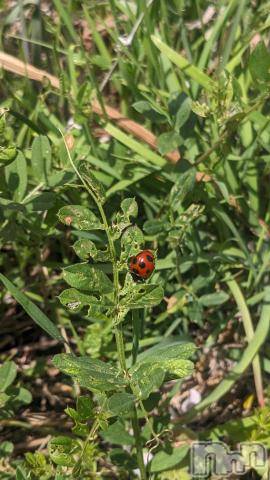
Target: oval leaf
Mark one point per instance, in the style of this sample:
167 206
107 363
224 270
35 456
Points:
86 277
90 373
79 217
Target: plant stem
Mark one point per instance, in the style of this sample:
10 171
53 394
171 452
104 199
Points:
118 328
136 431
136 325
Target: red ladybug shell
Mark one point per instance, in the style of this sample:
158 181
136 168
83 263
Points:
142 265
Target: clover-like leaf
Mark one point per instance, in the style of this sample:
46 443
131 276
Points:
90 373
87 277
79 217
86 249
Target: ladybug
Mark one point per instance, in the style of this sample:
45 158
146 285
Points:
142 265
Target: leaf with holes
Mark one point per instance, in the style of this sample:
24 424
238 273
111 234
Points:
122 220
86 249
86 171
140 296
79 217
90 373
63 451
75 300
129 207
88 278
132 241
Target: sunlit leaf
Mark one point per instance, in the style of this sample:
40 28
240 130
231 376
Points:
79 217
86 249
90 373
86 277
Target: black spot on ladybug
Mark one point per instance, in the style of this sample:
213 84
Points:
134 260
142 265
149 258
148 271
134 270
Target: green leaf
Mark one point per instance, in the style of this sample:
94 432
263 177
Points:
183 113
79 217
8 372
154 363
259 64
4 398
86 277
86 171
142 295
188 69
86 249
6 449
212 299
7 155
63 450
166 460
21 474
168 351
16 175
132 241
120 403
129 207
90 373
117 434
137 147
168 141
155 227
85 407
32 310
122 220
148 110
42 202
41 158
182 187
75 300
146 378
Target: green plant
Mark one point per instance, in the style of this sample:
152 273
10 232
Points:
117 391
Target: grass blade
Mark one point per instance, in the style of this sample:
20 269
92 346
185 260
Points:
32 310
193 72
